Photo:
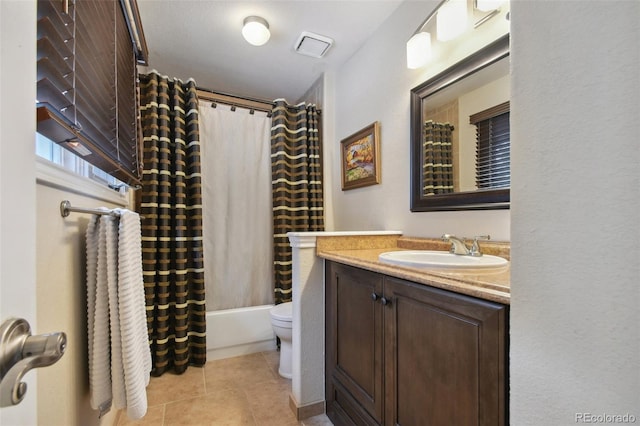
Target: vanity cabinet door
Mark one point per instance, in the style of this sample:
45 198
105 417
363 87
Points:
444 357
354 379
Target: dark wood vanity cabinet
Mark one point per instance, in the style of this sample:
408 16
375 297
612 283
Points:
354 345
402 353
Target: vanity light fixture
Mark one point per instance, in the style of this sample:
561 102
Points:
451 19
418 50
255 30
419 45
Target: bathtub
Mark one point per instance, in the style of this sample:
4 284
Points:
240 331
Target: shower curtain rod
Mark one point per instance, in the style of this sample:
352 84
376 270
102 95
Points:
66 209
251 104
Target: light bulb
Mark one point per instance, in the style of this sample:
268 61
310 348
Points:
418 50
256 30
451 19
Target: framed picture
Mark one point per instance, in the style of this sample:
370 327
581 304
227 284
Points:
361 158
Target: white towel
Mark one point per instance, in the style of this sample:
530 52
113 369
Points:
119 354
109 238
98 318
136 354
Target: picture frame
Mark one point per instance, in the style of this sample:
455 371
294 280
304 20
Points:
360 153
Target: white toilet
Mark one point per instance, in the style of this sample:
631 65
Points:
281 321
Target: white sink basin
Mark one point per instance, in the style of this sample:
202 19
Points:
428 259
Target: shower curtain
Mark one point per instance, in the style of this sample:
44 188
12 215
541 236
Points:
437 174
171 207
236 206
297 184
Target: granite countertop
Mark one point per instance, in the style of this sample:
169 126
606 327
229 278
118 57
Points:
363 252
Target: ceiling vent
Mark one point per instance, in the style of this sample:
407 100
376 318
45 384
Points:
311 44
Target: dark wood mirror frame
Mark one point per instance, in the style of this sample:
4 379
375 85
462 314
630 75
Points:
470 200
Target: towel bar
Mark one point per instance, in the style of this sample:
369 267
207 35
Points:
66 209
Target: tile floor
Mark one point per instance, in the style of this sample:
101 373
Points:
244 390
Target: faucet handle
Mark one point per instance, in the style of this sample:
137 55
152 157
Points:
475 247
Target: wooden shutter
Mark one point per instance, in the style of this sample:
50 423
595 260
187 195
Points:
87 75
493 147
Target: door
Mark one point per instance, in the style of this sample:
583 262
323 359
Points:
444 357
354 344
17 182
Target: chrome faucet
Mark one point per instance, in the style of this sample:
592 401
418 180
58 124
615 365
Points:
458 245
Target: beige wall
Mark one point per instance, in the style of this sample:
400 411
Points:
575 251
63 388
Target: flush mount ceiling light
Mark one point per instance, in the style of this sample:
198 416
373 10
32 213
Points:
418 50
255 30
451 19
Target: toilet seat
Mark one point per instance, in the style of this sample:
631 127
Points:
282 312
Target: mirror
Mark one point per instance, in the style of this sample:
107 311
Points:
460 135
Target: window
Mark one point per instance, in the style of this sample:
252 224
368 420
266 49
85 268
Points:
86 89
493 146
54 152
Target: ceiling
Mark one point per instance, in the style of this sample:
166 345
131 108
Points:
201 39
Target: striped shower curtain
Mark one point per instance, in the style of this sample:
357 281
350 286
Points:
296 182
171 207
437 173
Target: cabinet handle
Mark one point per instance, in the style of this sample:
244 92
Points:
385 301
374 296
